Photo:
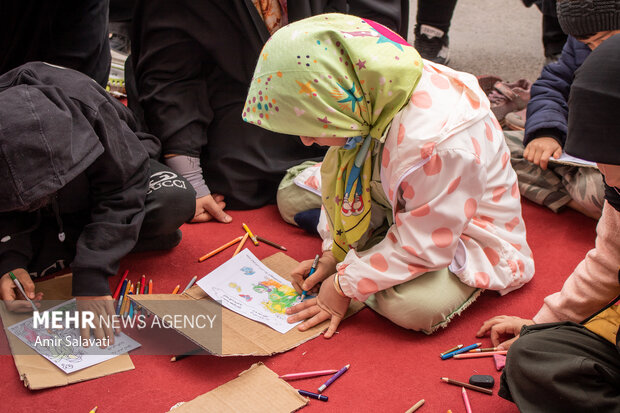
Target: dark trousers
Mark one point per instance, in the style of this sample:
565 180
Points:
436 13
562 367
170 202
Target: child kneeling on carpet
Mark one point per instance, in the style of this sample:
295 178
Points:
79 186
566 360
421 209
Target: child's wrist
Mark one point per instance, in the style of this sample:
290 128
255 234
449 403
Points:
337 286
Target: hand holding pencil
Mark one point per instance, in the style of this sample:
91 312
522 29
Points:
303 281
18 291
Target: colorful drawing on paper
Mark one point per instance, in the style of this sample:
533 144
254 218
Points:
61 346
246 286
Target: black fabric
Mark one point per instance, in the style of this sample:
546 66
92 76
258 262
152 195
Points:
594 102
586 17
193 62
612 196
435 13
70 33
61 134
562 367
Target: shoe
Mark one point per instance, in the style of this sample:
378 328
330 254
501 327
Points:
358 205
346 208
432 44
516 120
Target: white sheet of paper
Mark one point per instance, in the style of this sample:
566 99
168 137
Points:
56 344
246 286
571 160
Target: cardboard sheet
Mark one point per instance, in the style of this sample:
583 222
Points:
240 335
257 389
34 370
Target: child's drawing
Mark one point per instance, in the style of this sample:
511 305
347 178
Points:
62 346
265 297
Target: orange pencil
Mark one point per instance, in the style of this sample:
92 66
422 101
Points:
150 286
243 240
176 289
126 300
220 249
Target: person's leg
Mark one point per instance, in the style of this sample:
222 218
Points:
170 202
431 29
543 187
586 188
562 367
425 303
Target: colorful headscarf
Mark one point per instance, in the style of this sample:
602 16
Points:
335 75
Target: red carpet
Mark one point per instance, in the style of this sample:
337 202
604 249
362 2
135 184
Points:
391 368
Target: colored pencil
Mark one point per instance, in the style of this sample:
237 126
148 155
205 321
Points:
186 354
476 355
143 284
125 300
273 244
94 409
461 350
190 283
415 406
252 236
130 315
21 290
139 287
176 289
483 350
320 397
333 378
466 400
307 374
315 264
243 240
219 249
120 284
467 385
122 296
451 350
151 286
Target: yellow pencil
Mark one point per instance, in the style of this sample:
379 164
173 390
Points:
93 410
245 238
125 308
252 236
220 249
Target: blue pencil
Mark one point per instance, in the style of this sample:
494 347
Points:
312 270
120 297
461 350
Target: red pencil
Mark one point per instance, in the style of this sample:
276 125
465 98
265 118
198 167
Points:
142 284
120 284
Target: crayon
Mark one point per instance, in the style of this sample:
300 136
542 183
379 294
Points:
333 378
243 240
312 270
273 244
415 406
467 385
320 397
307 374
190 283
252 236
219 249
118 290
21 290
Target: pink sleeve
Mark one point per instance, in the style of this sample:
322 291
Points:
426 229
594 283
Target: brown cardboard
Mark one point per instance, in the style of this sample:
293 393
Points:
34 370
257 389
240 335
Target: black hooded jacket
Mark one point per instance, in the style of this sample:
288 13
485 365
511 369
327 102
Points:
63 137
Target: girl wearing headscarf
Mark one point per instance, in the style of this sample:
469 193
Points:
421 209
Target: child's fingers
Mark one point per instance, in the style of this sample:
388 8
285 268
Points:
314 279
301 306
333 326
85 335
316 319
506 344
304 314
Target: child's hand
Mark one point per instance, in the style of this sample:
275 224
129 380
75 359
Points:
103 308
9 292
328 305
211 207
503 325
539 150
325 268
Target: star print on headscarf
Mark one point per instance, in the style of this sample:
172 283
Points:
361 64
350 96
306 88
383 39
324 120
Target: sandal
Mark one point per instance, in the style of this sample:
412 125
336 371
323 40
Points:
516 120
